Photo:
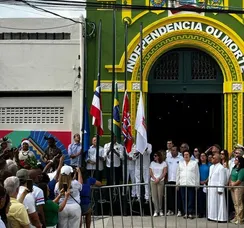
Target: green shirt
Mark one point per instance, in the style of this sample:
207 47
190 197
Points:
51 213
237 175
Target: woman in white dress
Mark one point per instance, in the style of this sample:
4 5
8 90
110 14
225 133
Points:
25 154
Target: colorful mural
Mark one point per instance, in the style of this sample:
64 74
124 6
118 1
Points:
38 144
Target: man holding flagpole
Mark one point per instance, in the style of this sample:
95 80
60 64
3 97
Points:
128 144
118 149
142 147
97 120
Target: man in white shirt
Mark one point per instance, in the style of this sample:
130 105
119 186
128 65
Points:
131 170
91 160
118 151
38 194
146 164
75 151
169 147
172 160
184 147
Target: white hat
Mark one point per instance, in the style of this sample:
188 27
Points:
66 170
25 141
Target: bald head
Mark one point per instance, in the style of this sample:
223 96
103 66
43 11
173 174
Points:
216 158
34 174
94 141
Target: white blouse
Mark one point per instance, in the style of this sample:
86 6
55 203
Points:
188 174
157 169
23 155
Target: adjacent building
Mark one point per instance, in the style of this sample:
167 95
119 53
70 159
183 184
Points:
41 86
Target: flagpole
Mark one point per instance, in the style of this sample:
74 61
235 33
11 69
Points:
125 153
98 79
113 88
141 89
84 47
141 57
126 44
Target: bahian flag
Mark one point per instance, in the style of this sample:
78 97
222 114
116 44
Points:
126 124
140 126
96 110
116 116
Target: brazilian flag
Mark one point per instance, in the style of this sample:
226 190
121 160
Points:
116 116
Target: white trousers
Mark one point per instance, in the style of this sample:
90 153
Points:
146 180
70 216
131 175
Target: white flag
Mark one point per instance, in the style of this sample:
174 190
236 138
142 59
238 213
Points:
141 137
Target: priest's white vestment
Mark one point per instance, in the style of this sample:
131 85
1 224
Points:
216 202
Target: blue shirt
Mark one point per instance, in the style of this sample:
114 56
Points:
85 193
51 186
75 148
204 171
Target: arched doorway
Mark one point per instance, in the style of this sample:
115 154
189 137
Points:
185 99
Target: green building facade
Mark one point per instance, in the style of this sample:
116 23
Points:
184 52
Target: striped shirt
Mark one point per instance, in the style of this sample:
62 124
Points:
38 195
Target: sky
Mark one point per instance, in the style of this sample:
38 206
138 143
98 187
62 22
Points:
12 11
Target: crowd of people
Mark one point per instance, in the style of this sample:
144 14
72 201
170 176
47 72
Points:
45 192
203 178
48 193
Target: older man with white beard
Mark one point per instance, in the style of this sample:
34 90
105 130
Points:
217 210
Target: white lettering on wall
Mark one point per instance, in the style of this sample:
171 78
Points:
186 25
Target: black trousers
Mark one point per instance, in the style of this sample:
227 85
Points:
117 175
172 196
201 202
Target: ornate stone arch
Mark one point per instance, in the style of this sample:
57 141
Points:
233 100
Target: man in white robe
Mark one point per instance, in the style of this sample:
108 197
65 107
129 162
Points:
216 196
146 163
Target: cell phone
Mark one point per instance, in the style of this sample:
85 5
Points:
29 184
65 187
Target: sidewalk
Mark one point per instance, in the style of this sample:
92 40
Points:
159 222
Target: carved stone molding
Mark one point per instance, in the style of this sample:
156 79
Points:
237 86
